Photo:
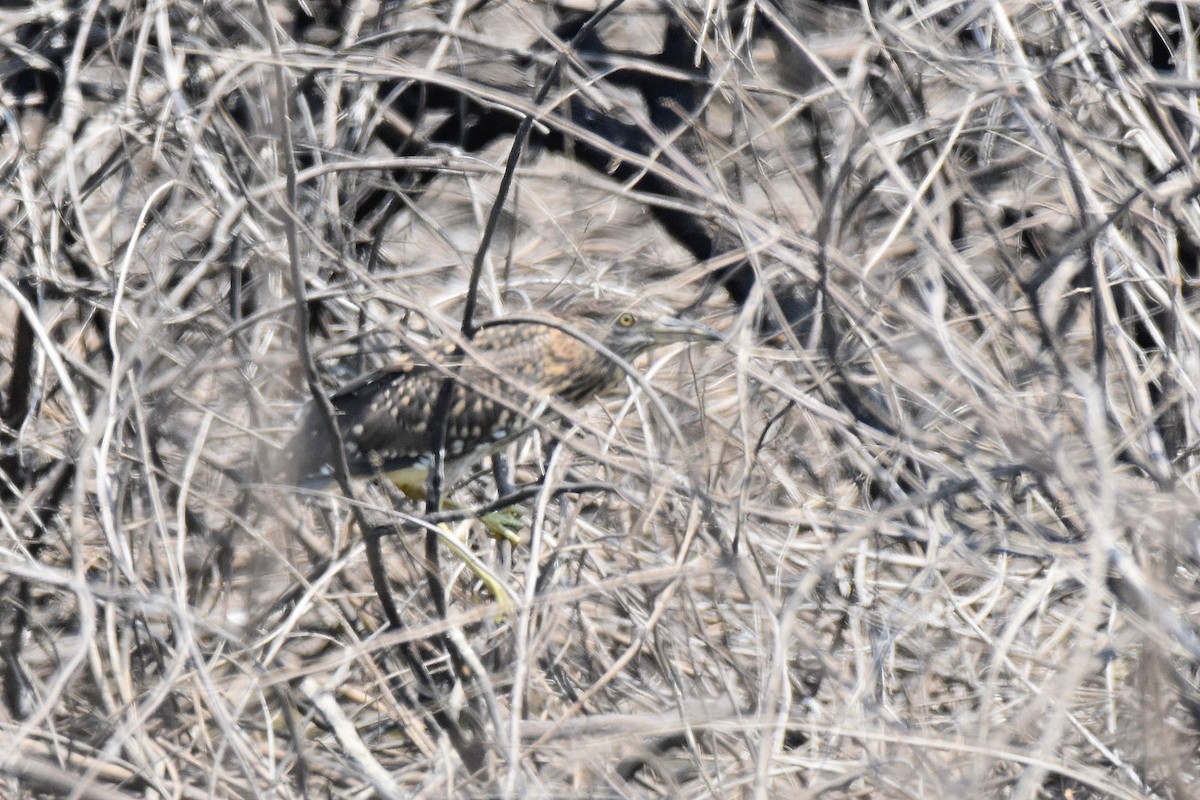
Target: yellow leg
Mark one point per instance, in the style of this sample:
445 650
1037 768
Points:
505 524
490 579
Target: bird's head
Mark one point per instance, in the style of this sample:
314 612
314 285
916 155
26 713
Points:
630 329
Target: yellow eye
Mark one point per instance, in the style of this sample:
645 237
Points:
625 320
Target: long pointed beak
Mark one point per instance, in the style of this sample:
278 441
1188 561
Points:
667 330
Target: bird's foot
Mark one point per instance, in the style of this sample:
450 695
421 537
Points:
505 524
495 585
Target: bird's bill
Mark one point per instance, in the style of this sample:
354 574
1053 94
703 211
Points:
667 330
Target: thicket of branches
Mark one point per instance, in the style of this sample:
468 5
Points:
923 525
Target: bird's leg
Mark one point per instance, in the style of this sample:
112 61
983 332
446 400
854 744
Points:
411 483
505 523
493 582
504 486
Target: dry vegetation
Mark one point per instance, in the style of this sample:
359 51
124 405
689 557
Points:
923 526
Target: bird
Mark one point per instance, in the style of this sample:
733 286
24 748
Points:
504 383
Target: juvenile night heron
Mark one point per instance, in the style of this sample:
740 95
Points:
504 381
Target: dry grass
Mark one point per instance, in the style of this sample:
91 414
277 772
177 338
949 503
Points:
941 542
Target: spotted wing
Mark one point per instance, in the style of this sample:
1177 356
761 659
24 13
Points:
386 417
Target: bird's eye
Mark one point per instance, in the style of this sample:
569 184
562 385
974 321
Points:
625 320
